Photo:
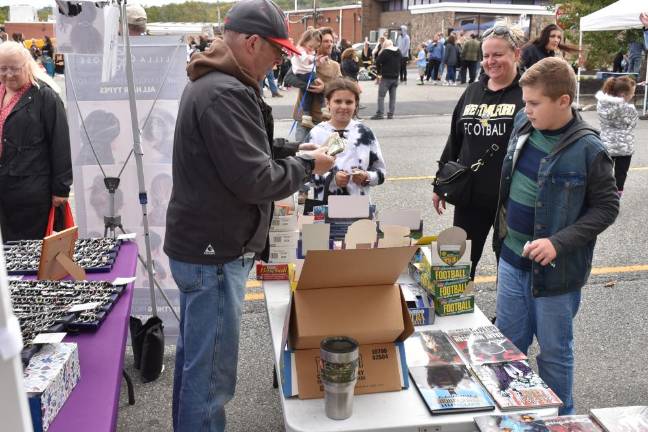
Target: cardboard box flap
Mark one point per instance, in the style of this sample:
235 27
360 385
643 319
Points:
354 267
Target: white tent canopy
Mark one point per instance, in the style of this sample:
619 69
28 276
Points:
621 15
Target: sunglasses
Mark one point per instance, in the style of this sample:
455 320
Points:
279 49
500 31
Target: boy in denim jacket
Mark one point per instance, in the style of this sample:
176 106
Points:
557 193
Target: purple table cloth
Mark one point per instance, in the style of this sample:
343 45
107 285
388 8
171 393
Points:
94 402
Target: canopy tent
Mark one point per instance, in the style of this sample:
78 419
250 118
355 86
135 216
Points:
621 15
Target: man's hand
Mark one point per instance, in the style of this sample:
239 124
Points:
342 178
644 19
323 162
57 200
541 251
308 146
360 177
317 86
439 203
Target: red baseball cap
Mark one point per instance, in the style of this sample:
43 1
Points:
262 17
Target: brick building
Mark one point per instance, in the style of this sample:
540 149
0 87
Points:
346 21
424 18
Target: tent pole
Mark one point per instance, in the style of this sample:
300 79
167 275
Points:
645 90
578 80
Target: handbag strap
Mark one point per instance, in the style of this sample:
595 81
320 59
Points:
488 154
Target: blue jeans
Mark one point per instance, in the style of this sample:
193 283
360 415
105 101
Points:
450 75
211 301
520 316
272 85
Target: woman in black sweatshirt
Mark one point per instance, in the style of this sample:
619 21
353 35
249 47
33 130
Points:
482 120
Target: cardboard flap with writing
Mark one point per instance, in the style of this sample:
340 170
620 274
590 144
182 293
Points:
354 267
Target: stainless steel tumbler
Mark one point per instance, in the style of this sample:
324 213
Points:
339 374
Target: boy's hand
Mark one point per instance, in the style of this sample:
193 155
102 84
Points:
342 179
439 203
360 177
541 251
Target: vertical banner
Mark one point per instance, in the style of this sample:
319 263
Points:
102 144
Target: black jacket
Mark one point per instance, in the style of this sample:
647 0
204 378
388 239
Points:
389 63
532 54
481 118
224 177
36 140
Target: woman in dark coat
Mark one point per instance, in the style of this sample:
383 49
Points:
35 165
547 44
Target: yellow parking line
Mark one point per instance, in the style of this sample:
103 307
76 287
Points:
491 279
416 178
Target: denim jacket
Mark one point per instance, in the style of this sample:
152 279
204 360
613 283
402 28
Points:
577 199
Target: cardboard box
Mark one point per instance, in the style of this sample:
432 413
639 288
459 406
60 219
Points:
352 293
420 304
455 305
49 378
283 223
451 289
284 239
376 371
282 255
270 272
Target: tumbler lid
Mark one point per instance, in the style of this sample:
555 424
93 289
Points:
339 344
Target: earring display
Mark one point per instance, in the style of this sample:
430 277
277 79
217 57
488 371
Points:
60 306
93 254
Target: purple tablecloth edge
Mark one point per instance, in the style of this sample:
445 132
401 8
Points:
94 402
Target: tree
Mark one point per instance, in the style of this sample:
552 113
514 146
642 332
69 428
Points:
599 48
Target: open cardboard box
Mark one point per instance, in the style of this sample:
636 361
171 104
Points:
352 293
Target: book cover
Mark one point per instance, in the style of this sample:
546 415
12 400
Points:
515 385
622 419
510 422
432 347
449 389
484 345
573 423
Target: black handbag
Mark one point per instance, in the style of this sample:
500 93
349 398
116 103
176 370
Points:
147 340
453 182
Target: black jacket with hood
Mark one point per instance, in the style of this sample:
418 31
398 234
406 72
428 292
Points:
481 118
224 177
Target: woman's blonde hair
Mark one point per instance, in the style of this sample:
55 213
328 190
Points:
503 29
34 71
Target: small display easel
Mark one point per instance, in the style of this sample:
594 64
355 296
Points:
57 256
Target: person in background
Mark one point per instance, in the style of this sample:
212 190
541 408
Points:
644 21
17 37
618 117
482 121
617 63
35 162
556 196
366 57
470 59
361 164
546 45
435 56
326 71
48 48
389 62
403 44
350 64
451 59
136 19
421 63
304 68
225 180
33 49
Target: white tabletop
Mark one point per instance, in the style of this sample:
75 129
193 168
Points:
391 411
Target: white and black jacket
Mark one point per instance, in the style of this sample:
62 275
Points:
362 152
618 121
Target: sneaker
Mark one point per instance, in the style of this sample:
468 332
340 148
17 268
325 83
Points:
326 114
420 83
377 117
390 116
307 122
277 95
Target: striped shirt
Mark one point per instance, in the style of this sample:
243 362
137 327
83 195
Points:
520 208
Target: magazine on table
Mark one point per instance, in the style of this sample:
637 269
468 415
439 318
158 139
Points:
431 347
484 345
450 388
515 385
622 419
534 423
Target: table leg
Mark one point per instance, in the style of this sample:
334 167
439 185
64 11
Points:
129 384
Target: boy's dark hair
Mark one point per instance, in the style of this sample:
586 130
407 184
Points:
618 86
554 75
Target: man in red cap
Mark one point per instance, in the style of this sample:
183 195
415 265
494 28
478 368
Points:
224 183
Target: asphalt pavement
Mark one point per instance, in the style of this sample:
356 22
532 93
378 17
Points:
610 329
